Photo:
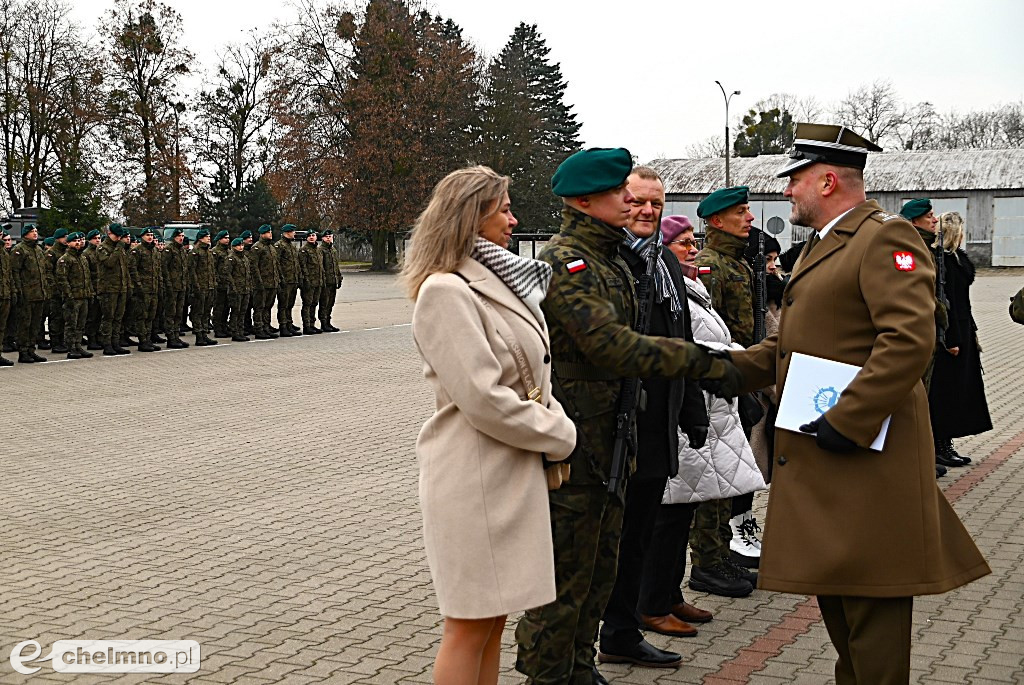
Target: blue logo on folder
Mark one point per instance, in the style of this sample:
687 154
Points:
825 399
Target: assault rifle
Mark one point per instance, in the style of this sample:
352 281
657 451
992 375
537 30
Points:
760 290
631 388
940 285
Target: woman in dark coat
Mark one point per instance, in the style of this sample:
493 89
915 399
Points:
957 395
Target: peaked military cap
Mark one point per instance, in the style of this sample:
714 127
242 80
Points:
49 241
117 229
265 228
723 198
77 235
92 234
236 242
202 233
916 208
147 231
245 234
220 234
60 233
829 144
592 171
288 227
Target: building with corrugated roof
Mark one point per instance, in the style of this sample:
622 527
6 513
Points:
985 186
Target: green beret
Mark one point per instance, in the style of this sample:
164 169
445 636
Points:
236 242
77 235
116 229
147 231
177 232
92 234
916 208
220 234
288 227
245 235
60 233
592 171
265 228
326 231
49 241
202 233
723 198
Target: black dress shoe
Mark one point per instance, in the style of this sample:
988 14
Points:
948 460
642 653
598 678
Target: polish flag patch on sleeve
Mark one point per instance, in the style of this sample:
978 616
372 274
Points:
703 269
576 266
904 261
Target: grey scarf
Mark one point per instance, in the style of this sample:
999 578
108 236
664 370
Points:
664 288
527 278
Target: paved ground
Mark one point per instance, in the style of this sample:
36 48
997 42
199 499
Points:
261 499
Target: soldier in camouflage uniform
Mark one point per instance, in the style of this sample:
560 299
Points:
74 281
203 282
128 320
332 281
6 289
12 316
288 275
265 280
219 252
55 313
28 270
146 272
175 283
112 281
311 281
590 309
730 282
158 318
234 273
92 321
250 328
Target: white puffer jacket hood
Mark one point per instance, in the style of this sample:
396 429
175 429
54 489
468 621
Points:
724 466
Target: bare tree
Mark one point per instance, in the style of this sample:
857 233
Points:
712 146
873 111
919 127
1011 123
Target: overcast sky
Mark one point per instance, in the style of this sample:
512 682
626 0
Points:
641 74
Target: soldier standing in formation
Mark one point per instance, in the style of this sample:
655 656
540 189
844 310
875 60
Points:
128 320
311 281
9 344
590 309
332 281
112 282
265 280
55 313
250 328
288 275
203 281
92 323
158 318
175 284
146 272
28 268
73 279
219 252
235 275
6 289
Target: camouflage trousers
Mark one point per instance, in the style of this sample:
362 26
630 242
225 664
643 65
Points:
285 303
92 321
328 294
556 641
202 301
145 314
238 305
111 317
55 319
128 320
711 533
221 302
5 310
262 302
310 300
174 304
76 310
30 317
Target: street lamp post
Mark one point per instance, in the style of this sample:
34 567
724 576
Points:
727 98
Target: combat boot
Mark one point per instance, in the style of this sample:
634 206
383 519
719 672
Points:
209 340
176 344
43 344
109 351
239 338
6 362
296 331
60 348
159 339
126 341
308 331
93 345
146 346
261 334
315 330
717 580
952 450
74 354
37 357
286 332
200 340
81 351
121 349
26 358
269 328
10 347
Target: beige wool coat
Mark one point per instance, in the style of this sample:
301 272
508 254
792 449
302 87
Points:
864 523
483 493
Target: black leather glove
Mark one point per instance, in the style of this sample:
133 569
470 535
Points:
698 436
722 379
827 437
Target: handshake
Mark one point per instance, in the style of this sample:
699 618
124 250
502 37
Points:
716 373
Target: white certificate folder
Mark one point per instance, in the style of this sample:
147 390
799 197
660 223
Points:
813 386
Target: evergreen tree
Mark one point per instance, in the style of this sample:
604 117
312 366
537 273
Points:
527 129
74 202
247 209
769 132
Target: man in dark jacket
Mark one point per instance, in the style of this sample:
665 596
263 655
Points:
332 281
265 279
73 280
203 282
174 267
28 269
112 282
671 403
288 280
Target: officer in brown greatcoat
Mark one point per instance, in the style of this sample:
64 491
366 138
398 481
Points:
863 530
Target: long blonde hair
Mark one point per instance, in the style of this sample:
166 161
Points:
952 225
446 231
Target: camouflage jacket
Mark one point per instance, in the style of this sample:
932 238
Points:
730 282
175 268
28 271
332 267
200 268
130 261
250 269
53 255
111 268
89 253
220 253
287 262
234 273
145 268
6 277
311 267
72 278
590 309
941 311
264 262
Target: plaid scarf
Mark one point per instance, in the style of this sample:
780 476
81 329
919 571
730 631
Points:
664 288
527 278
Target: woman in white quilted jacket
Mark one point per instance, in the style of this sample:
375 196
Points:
723 467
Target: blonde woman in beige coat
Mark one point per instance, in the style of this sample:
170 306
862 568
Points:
496 426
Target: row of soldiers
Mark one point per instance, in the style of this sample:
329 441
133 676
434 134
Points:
96 293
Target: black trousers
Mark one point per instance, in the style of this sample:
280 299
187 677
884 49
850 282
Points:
665 562
871 636
621 627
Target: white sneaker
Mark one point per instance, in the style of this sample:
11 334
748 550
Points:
750 529
740 542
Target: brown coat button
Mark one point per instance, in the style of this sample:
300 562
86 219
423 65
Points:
781 460
789 301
